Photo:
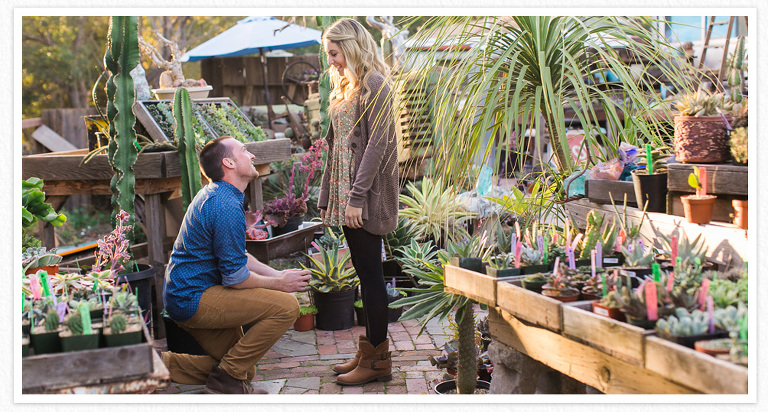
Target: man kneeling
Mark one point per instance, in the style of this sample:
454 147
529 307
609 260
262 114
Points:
213 287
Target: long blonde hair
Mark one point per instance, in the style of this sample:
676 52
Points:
362 57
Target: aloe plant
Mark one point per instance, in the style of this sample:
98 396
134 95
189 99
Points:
121 57
329 273
190 167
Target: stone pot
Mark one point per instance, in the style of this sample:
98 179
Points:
702 139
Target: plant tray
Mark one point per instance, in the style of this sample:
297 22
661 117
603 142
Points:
618 339
150 123
44 373
283 245
474 285
529 306
601 191
694 369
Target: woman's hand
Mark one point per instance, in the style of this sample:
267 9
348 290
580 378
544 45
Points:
353 217
322 215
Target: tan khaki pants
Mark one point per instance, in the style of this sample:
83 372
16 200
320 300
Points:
217 327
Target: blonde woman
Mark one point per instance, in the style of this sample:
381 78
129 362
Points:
360 184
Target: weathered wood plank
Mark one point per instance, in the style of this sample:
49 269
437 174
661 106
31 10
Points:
33 122
600 191
68 167
724 179
701 372
585 364
529 306
474 285
51 140
139 110
726 242
101 187
618 339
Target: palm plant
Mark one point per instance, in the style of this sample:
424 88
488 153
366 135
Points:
433 210
431 300
523 72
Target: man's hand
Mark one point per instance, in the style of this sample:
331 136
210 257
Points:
353 217
294 280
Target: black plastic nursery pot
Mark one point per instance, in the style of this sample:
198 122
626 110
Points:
45 342
122 339
179 340
653 189
394 314
502 273
80 342
474 264
690 341
291 224
360 314
530 270
444 387
140 284
335 310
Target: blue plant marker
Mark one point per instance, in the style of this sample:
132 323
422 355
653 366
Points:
484 181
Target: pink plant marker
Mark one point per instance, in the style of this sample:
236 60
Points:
517 229
673 256
703 293
711 313
557 267
651 301
518 251
34 286
703 180
670 282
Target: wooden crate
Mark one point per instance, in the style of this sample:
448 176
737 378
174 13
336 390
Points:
529 306
601 191
63 370
283 245
618 339
694 369
146 119
474 285
722 179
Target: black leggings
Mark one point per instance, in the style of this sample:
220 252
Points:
365 251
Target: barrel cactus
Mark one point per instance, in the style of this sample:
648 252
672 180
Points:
75 324
118 323
51 320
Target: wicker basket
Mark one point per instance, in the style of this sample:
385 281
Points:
701 139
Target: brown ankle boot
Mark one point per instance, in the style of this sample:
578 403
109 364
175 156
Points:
352 363
219 381
375 365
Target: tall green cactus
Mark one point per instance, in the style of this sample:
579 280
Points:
185 134
466 376
121 57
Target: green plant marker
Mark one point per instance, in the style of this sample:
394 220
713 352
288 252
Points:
649 159
136 266
697 261
43 276
546 249
656 272
743 327
85 318
605 286
678 260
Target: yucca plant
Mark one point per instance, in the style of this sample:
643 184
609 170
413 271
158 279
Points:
329 273
433 210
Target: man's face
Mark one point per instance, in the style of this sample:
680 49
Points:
241 159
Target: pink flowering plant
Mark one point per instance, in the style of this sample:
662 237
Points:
279 210
254 228
114 249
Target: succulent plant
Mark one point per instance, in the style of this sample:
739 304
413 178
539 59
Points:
703 103
636 255
610 300
592 232
51 320
739 145
502 261
726 293
399 237
117 323
531 256
728 318
75 323
125 302
539 277
684 323
687 250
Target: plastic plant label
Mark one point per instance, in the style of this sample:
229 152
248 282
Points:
85 318
650 301
484 181
599 254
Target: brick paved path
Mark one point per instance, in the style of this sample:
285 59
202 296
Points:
301 362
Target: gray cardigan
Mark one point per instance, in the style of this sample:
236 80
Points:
375 180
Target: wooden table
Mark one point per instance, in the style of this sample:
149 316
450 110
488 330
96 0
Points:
608 355
158 176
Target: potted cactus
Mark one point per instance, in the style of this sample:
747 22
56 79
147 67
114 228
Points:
39 258
563 286
122 331
698 208
45 336
701 134
536 281
306 319
638 258
79 333
608 306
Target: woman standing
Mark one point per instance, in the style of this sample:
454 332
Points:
360 184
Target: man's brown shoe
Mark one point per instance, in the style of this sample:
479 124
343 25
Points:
219 381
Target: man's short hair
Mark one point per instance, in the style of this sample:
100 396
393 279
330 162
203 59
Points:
211 156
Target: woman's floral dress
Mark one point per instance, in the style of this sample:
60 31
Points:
341 160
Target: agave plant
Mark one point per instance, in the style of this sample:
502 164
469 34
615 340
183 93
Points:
433 210
329 273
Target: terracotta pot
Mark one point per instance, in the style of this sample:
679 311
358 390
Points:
741 213
701 139
304 322
714 347
613 313
562 298
51 269
698 209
